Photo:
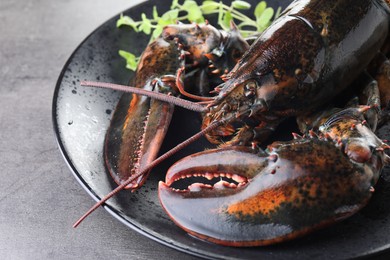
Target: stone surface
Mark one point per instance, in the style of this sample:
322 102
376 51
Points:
39 197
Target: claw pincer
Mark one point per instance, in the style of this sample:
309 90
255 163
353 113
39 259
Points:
139 124
264 197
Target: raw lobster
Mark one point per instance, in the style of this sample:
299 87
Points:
306 58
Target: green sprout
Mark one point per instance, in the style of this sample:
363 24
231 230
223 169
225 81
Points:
191 11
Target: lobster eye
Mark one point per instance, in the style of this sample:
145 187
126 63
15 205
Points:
250 89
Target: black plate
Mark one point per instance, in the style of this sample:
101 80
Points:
82 115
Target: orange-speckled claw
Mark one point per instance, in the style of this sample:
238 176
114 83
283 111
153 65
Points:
196 39
290 190
134 139
139 124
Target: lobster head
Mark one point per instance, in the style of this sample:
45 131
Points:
242 109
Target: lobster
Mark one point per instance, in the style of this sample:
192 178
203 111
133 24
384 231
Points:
293 187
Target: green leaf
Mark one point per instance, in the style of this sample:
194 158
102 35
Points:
260 7
162 22
188 4
175 3
170 16
131 59
155 13
195 16
208 7
278 11
126 20
156 32
193 10
146 25
265 18
241 5
226 19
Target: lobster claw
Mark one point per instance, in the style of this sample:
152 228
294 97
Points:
194 38
134 138
290 190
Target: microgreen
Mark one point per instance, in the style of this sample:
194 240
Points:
131 59
191 11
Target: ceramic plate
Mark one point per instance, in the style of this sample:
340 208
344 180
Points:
82 115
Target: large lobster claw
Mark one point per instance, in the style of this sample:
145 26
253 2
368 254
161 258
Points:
267 197
135 137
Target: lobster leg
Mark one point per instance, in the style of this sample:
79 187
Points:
370 96
380 68
383 78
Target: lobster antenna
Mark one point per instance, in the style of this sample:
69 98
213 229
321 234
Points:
149 167
193 106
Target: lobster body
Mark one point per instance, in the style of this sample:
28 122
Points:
302 61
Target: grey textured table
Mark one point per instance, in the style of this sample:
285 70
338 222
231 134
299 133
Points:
39 197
